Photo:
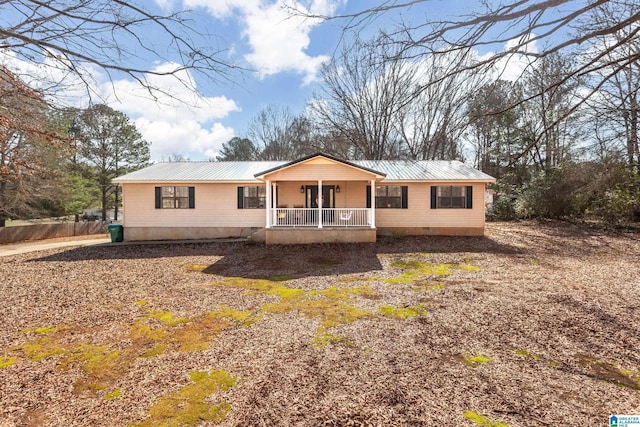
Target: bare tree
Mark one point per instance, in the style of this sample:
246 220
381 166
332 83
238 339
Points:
614 110
361 95
29 144
559 26
432 121
175 158
278 134
552 132
118 37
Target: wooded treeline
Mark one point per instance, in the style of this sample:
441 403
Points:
561 137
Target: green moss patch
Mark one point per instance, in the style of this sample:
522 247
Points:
7 361
475 360
330 306
166 317
41 348
322 338
415 270
525 353
482 421
149 336
191 404
402 312
197 268
161 331
113 395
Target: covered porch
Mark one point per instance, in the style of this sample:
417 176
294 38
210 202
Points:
320 199
320 212
323 204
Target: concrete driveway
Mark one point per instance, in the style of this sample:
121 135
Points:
41 245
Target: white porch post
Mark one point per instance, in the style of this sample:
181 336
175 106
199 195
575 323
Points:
274 203
319 201
268 210
373 203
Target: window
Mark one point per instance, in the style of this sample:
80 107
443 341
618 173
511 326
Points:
389 196
451 197
252 197
174 197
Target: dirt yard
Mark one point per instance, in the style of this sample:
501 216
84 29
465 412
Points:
532 325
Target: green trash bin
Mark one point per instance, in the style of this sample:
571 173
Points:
116 231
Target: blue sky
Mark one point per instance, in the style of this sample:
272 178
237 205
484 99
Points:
284 52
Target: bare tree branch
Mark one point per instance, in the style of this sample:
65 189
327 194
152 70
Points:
118 37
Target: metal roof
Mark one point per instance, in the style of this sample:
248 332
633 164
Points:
425 170
199 171
395 170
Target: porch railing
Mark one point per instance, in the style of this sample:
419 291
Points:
331 217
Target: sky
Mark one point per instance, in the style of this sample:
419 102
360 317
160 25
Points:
282 55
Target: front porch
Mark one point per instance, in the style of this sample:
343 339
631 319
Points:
303 212
319 199
320 204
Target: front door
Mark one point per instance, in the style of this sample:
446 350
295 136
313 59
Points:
328 196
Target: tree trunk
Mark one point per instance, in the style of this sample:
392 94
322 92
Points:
632 143
104 204
3 215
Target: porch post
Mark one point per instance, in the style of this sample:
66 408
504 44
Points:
268 203
373 203
319 201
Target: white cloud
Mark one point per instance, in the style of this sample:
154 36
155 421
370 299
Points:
186 137
513 65
278 40
176 98
178 120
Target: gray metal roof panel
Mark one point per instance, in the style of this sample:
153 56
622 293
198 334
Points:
199 171
425 170
395 170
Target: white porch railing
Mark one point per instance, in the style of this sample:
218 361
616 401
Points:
309 217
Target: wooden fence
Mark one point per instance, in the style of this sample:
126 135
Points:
49 231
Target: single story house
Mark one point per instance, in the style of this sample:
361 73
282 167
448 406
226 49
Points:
318 198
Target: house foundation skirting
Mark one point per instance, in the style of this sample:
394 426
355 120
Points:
192 233
431 231
299 235
286 236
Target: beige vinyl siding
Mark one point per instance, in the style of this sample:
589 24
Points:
216 205
420 214
354 195
325 172
289 194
